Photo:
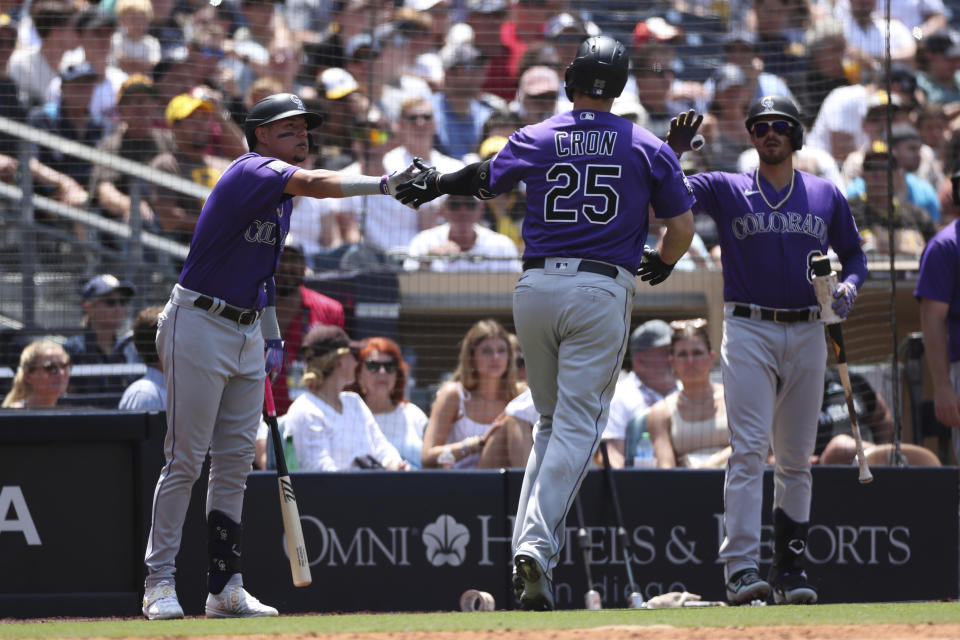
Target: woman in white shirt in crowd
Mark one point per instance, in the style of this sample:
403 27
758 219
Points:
382 383
333 429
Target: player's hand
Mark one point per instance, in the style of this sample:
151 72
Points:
683 131
422 188
844 295
652 267
273 361
397 178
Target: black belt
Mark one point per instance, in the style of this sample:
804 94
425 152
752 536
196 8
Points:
585 265
778 315
228 311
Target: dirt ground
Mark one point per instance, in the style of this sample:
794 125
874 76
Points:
655 632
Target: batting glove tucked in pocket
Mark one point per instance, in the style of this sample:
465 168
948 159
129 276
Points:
273 361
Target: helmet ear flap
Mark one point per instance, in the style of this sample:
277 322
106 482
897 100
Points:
568 82
796 136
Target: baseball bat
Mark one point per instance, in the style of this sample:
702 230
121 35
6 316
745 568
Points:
296 549
836 337
591 597
635 600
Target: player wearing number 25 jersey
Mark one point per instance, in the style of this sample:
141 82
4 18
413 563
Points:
591 178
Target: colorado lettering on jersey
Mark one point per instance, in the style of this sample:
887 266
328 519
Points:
584 143
263 232
777 222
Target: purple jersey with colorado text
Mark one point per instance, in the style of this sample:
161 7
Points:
240 233
766 252
939 280
590 178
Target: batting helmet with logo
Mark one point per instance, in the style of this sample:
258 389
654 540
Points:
778 106
277 107
599 69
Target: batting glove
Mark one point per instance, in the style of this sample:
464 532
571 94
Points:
273 362
845 295
389 184
422 188
652 267
683 129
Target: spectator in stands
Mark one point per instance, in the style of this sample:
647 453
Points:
148 393
70 118
104 305
190 119
460 110
867 125
779 26
912 225
461 243
866 30
938 60
905 145
835 443
538 95
825 67
10 106
933 125
132 48
138 137
399 76
94 28
649 380
743 50
299 309
166 25
382 382
725 140
659 91
688 427
463 416
513 438
487 18
35 66
41 378
333 429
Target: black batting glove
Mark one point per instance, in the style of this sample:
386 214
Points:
683 129
424 187
652 267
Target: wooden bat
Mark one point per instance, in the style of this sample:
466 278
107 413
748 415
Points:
836 337
296 550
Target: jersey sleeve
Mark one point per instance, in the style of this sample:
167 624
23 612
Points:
672 192
261 181
507 167
938 271
704 195
846 240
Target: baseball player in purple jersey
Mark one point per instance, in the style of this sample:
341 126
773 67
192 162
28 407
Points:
938 289
590 177
212 338
772 222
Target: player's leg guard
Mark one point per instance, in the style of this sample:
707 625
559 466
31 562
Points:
223 548
787 577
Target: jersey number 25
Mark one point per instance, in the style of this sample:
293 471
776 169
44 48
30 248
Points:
574 186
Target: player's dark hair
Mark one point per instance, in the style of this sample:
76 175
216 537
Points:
145 335
689 330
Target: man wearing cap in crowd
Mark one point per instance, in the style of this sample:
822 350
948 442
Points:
105 300
938 60
35 66
649 380
94 28
537 94
905 146
460 110
190 119
139 138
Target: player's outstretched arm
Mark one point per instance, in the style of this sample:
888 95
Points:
321 183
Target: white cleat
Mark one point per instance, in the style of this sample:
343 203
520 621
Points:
160 602
235 602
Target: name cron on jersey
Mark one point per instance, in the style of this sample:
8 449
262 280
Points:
584 143
778 222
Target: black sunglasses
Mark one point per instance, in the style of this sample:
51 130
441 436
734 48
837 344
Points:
113 302
390 366
780 127
414 117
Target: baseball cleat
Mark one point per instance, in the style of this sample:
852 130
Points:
235 602
537 592
791 587
160 602
745 586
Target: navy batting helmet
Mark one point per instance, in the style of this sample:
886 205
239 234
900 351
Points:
778 106
277 107
599 69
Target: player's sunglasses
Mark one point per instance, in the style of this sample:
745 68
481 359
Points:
390 366
54 368
780 127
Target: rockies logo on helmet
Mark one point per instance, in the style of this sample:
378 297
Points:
778 106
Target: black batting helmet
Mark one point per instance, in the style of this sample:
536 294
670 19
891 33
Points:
778 106
599 69
277 107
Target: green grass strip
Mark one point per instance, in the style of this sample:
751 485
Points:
856 614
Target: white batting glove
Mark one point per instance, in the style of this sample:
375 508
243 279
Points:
395 179
845 295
